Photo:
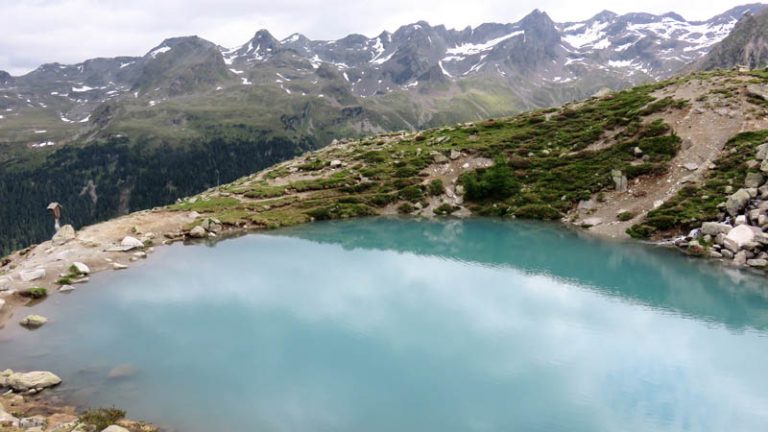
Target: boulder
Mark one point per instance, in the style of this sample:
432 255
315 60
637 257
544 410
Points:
118 266
740 220
455 155
737 202
115 428
37 380
33 321
130 243
5 284
64 235
762 152
764 165
335 163
30 275
754 180
740 236
715 228
81 268
740 258
690 166
440 158
66 288
758 262
198 232
212 225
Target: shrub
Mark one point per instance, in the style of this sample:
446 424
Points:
445 210
640 231
411 193
625 216
101 418
435 187
405 208
66 280
537 211
34 293
496 182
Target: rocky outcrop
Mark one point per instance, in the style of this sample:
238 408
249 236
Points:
28 381
740 236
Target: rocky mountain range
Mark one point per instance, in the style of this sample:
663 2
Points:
410 74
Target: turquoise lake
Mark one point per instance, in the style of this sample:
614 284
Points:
404 325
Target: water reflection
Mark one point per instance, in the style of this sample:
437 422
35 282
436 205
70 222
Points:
652 276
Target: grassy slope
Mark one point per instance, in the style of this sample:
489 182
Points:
544 166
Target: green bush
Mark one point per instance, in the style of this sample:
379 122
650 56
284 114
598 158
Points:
641 231
445 210
435 187
537 211
98 419
625 216
406 208
34 293
497 182
411 193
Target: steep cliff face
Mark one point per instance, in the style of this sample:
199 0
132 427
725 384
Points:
746 45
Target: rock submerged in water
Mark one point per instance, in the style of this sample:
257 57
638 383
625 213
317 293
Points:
33 321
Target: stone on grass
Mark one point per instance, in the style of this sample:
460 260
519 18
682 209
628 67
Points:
737 202
754 180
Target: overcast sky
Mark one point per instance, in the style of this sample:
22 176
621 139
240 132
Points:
69 31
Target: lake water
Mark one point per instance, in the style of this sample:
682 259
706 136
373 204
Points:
402 325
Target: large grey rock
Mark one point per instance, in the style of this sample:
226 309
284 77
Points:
762 152
758 262
130 243
764 165
754 180
212 225
740 236
115 428
715 228
740 258
37 380
5 284
64 235
198 232
33 321
440 158
81 267
737 202
30 275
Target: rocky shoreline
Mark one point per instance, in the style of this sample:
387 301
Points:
739 235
